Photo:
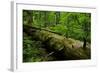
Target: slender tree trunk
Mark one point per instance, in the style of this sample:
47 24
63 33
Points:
84 45
45 18
57 17
30 17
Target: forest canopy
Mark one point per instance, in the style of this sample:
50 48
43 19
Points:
75 26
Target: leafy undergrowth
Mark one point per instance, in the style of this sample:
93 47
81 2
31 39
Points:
34 53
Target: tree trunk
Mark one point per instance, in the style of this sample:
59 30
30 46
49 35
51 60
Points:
84 45
62 47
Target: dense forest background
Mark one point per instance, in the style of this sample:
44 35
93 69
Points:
73 25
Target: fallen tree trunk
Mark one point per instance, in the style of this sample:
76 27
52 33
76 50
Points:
66 48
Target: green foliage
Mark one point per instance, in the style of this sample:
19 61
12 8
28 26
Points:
61 29
68 24
34 53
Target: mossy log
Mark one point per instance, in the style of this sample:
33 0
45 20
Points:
65 48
